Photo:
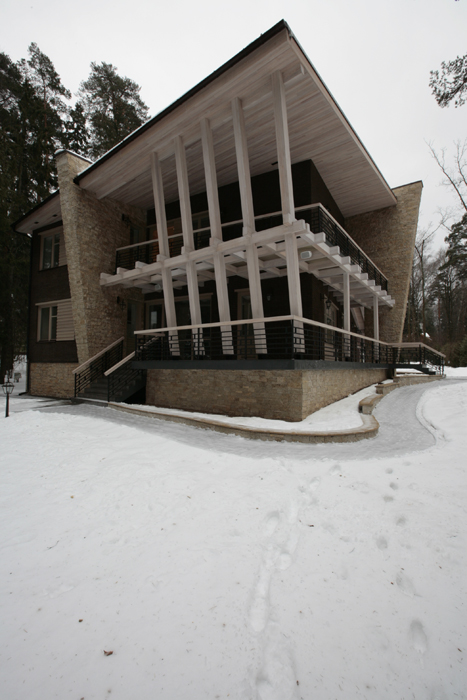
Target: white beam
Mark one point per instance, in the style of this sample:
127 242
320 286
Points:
346 290
283 149
184 194
211 180
243 166
256 297
159 204
375 318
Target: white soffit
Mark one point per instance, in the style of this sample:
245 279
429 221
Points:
317 127
46 213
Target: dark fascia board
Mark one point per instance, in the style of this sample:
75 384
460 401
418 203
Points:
263 39
34 209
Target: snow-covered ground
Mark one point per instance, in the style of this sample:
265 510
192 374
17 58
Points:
218 567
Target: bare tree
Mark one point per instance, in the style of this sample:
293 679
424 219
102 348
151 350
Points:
455 174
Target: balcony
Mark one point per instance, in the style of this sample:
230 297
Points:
317 216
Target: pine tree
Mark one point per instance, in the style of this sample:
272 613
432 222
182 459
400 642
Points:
112 105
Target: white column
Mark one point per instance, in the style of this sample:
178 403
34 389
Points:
246 199
346 290
211 180
283 149
159 204
167 287
243 166
188 243
216 234
184 194
256 297
295 292
375 317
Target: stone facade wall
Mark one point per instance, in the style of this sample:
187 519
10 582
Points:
289 395
322 387
388 237
52 379
93 230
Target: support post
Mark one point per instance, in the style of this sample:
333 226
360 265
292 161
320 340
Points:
346 290
243 167
216 234
188 242
295 292
162 235
283 149
246 199
376 325
159 204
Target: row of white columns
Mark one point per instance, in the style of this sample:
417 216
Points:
246 199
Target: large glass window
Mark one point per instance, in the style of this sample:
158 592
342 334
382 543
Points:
50 251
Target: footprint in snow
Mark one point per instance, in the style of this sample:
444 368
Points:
388 499
401 521
405 584
393 486
272 521
335 469
382 543
418 637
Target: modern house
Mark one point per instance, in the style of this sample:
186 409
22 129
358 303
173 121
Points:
240 253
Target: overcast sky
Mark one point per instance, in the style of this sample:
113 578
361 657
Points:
375 57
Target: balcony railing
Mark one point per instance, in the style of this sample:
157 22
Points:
277 338
317 216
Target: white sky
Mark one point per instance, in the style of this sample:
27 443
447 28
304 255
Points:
375 57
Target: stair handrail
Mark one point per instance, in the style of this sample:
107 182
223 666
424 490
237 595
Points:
119 364
416 345
94 357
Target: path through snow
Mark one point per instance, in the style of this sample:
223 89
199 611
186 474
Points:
214 566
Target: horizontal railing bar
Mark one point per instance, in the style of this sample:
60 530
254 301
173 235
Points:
94 357
269 319
417 345
119 364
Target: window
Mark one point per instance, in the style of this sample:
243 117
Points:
55 321
48 323
50 251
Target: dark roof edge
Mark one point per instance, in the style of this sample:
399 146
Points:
264 38
31 211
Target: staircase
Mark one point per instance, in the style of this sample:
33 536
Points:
109 377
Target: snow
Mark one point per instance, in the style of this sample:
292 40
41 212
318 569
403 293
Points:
453 372
214 566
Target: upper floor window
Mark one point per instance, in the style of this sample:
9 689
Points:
50 251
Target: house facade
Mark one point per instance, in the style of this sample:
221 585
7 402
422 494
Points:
240 253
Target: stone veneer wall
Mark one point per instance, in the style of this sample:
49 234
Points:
388 237
52 379
93 230
289 395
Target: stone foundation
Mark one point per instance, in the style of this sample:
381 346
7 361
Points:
52 379
289 395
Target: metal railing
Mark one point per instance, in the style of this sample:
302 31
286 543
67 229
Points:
279 338
147 252
123 378
321 221
96 366
418 354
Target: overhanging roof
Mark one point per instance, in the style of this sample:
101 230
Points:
318 130
46 212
